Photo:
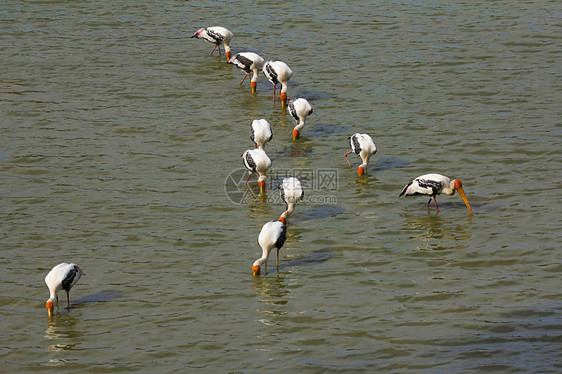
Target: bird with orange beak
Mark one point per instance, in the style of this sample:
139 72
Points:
299 109
364 146
63 276
257 161
291 192
250 62
278 72
217 35
272 235
435 184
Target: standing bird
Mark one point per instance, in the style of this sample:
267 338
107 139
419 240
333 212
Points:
435 184
278 72
291 192
364 146
62 276
217 35
299 109
257 161
249 62
273 235
261 133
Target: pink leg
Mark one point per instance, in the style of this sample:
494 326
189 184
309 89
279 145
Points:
346 157
274 93
435 201
244 78
245 184
277 260
218 45
213 50
67 300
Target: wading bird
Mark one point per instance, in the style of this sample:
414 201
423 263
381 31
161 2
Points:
217 35
261 133
257 161
291 192
299 110
273 235
249 62
435 184
62 276
364 146
278 72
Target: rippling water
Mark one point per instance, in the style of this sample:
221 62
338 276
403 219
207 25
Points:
119 133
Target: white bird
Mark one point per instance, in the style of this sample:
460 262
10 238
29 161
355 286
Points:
278 72
435 184
217 35
257 161
62 276
273 235
261 133
364 146
249 62
300 109
291 192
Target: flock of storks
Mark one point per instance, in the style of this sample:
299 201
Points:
273 233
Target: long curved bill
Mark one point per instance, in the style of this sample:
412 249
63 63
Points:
463 196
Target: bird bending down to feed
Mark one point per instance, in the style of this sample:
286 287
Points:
249 62
291 192
62 276
261 133
435 184
273 235
299 109
217 35
278 72
257 161
364 146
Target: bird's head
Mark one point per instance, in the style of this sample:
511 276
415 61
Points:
253 85
361 170
296 134
228 55
283 97
50 308
261 183
196 35
255 270
283 219
457 186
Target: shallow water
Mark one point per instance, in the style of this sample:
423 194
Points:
119 134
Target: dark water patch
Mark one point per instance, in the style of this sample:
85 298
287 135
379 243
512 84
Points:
388 163
319 130
102 296
321 211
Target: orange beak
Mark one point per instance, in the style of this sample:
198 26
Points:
255 270
282 219
254 85
228 54
463 196
283 98
262 186
360 170
296 134
50 308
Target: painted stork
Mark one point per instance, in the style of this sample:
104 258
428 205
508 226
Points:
435 184
278 72
217 35
257 161
299 109
273 235
291 192
249 62
62 276
261 133
364 146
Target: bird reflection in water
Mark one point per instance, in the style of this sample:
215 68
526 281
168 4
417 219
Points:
430 230
61 334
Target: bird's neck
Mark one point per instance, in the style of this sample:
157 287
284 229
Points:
300 125
254 75
449 189
283 87
265 255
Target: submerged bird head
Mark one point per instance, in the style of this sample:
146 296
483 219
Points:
362 169
283 97
457 186
253 85
50 307
296 134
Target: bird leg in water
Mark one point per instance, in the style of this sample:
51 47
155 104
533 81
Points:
214 49
435 201
350 163
277 262
67 300
244 78
274 92
249 175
